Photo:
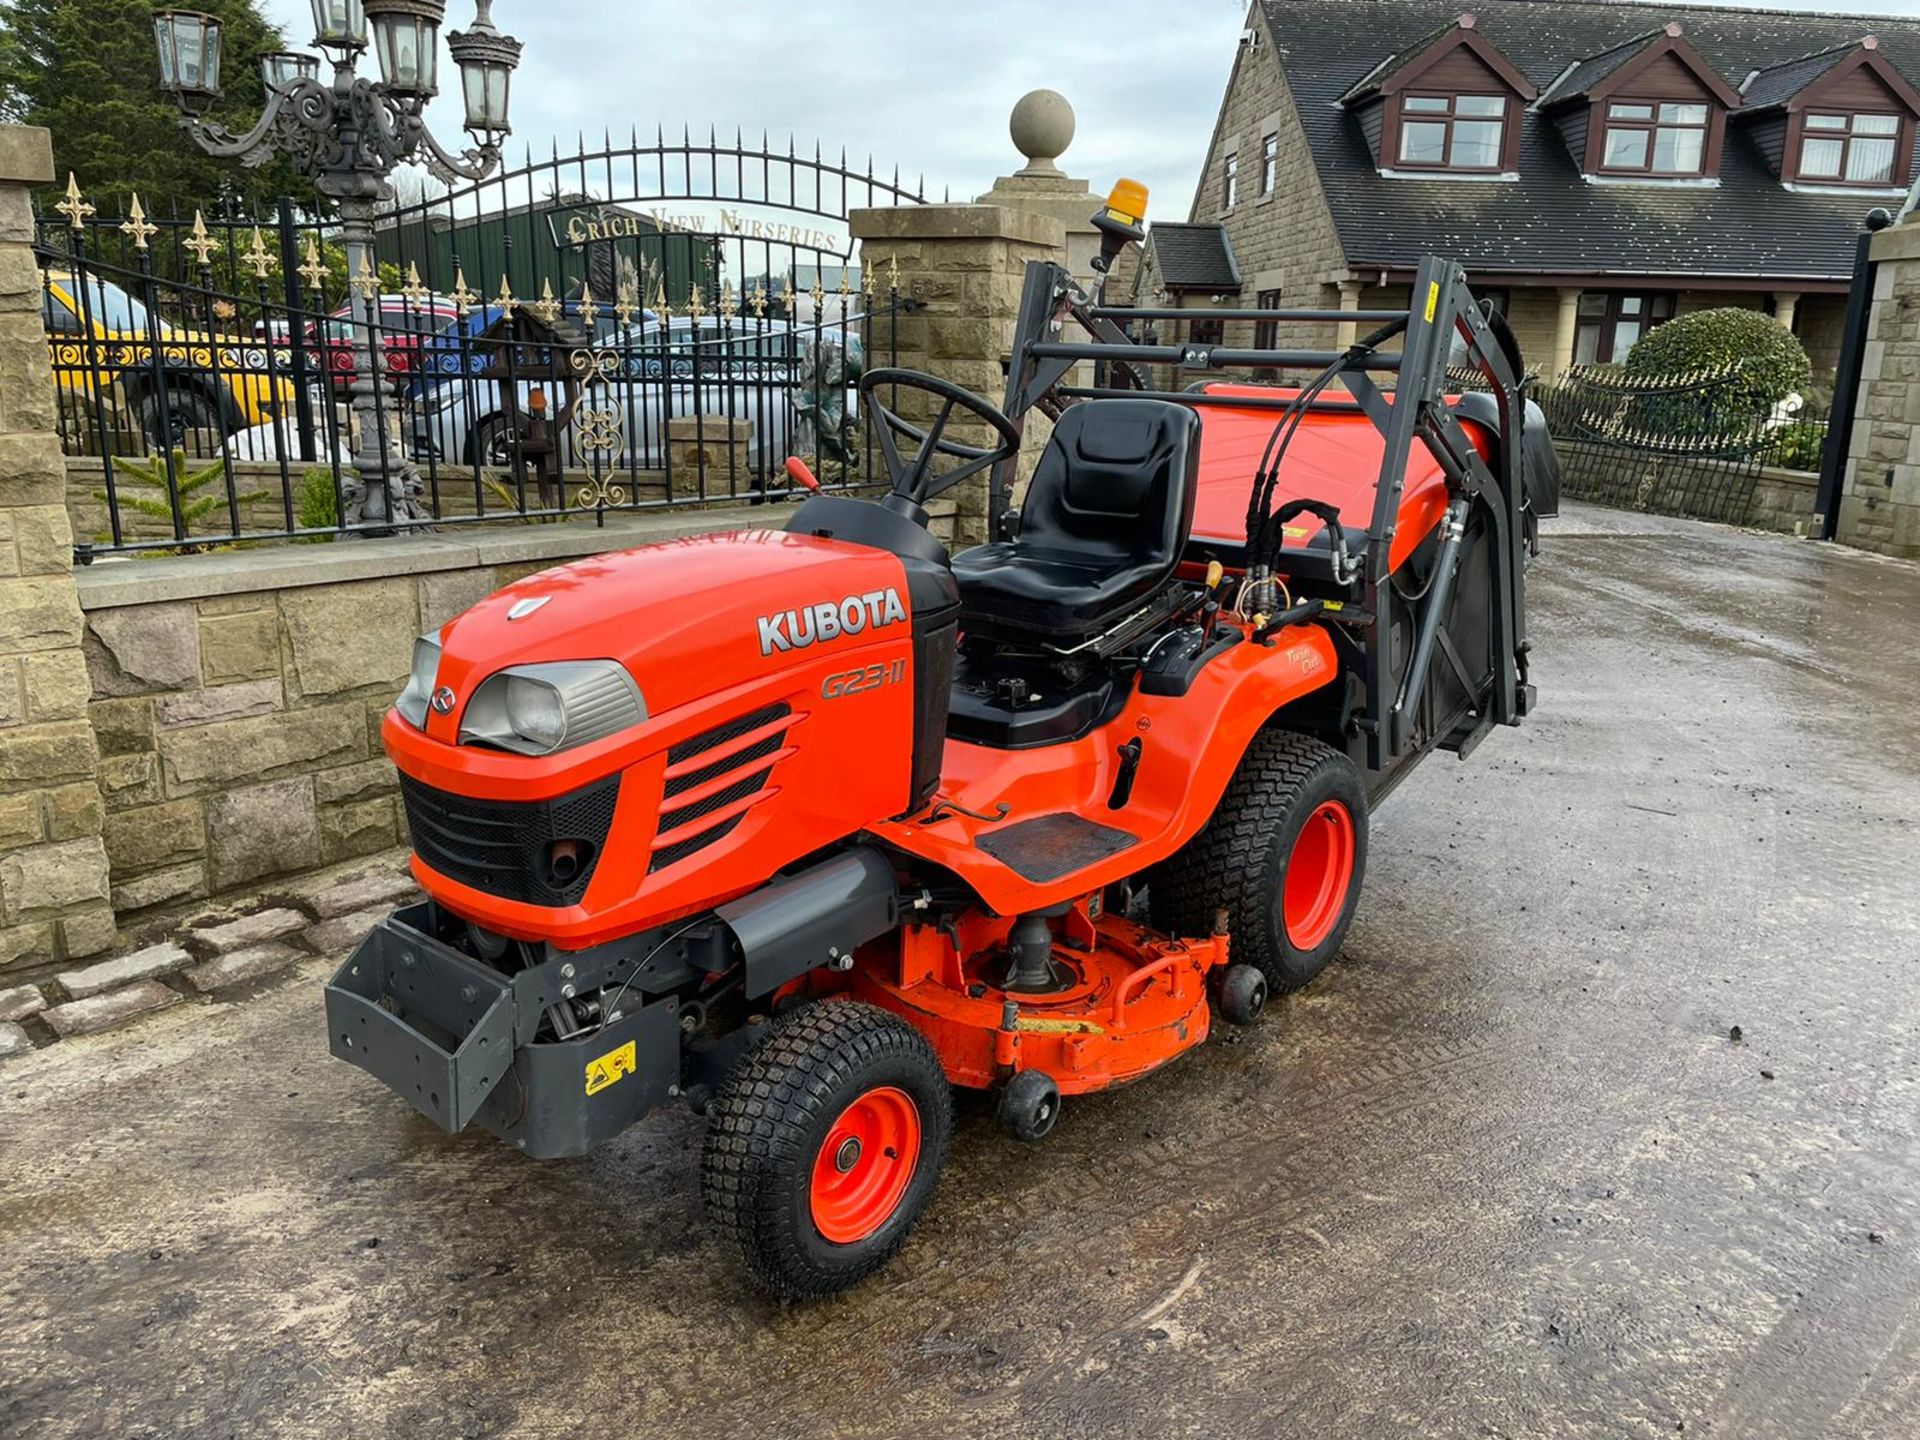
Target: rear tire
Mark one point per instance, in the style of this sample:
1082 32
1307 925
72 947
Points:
824 1145
1283 855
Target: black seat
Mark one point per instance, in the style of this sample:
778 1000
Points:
1106 517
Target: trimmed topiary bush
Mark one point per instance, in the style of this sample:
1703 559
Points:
1772 363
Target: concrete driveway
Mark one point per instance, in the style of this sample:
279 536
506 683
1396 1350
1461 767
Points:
1502 1172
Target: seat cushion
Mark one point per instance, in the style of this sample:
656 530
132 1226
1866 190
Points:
1047 592
1107 515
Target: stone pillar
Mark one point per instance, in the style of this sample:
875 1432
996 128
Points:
1565 331
1784 304
1349 331
1042 126
1880 494
962 266
53 865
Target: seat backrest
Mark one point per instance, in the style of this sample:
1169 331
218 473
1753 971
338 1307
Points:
1115 484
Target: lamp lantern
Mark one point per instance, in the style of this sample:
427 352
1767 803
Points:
406 41
340 25
487 60
189 44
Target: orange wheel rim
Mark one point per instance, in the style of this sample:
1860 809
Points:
865 1165
1319 874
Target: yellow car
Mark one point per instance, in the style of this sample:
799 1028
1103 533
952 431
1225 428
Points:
211 383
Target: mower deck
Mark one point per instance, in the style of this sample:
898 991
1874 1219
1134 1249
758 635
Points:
1129 1000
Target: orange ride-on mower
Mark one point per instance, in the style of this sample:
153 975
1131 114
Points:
804 827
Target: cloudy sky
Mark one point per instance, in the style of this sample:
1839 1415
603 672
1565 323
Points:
925 87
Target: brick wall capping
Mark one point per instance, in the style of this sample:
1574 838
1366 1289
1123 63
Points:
111 584
26 155
956 222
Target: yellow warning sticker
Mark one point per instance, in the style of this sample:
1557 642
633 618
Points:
612 1066
1433 299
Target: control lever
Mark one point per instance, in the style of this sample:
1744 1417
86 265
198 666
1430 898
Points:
801 474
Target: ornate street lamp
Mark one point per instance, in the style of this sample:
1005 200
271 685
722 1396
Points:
347 136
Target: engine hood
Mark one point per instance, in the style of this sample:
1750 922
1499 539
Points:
686 617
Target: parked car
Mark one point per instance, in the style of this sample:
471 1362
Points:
741 370
405 325
211 382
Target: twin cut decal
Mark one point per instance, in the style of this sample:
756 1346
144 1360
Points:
829 620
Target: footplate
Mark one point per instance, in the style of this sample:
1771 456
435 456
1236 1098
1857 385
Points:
435 1026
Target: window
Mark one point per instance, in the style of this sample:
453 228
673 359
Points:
1206 332
1266 333
1453 132
111 309
55 315
1230 182
1849 149
1269 163
1612 322
1656 138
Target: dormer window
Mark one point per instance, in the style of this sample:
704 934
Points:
1849 149
1656 138
1649 111
1836 118
1453 132
1450 105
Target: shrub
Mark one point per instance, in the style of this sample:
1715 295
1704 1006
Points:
316 506
1772 363
1797 446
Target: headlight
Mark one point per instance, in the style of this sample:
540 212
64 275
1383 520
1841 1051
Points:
412 703
538 709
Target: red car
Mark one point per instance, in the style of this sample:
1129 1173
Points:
403 325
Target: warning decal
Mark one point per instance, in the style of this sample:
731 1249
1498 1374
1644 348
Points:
612 1066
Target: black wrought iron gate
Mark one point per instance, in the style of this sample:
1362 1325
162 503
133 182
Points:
1690 445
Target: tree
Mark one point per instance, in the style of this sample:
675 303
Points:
86 69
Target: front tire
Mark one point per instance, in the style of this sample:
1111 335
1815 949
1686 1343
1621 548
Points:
1283 855
824 1145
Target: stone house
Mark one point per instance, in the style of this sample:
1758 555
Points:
1597 167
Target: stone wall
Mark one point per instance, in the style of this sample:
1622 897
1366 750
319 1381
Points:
1284 240
1880 497
53 867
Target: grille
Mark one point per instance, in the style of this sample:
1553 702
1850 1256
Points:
667 850
500 846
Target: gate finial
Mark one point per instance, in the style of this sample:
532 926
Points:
312 269
73 207
258 258
137 225
200 242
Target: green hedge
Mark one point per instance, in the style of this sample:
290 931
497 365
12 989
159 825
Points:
1772 362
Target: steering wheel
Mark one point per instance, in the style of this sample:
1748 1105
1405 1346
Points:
909 477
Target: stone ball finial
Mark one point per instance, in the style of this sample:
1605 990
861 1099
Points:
1042 129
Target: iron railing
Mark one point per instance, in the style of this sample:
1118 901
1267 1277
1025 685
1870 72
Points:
203 365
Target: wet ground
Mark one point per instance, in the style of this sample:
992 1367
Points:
1501 1172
